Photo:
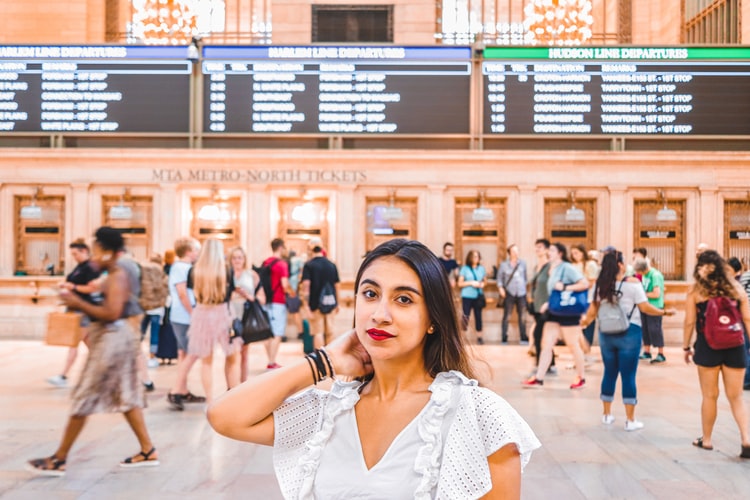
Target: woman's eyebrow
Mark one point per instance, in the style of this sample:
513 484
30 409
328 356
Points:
402 288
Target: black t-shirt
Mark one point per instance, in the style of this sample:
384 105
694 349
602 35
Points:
83 274
319 271
449 265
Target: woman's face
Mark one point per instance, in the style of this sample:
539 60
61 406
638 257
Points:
237 260
705 270
553 253
474 259
100 257
391 318
576 255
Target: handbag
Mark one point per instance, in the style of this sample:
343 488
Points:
255 325
64 329
568 302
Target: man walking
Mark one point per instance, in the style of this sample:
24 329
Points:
511 283
276 304
653 334
320 279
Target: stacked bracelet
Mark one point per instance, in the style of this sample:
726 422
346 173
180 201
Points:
320 365
686 349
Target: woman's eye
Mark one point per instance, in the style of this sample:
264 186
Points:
368 294
403 299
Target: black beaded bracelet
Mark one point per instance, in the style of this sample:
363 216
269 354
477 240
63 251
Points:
686 349
312 369
328 362
318 359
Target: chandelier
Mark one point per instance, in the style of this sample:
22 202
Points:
164 22
559 22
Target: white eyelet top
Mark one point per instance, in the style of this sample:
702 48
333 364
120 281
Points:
442 453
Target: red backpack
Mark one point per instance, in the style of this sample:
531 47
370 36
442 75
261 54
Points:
723 328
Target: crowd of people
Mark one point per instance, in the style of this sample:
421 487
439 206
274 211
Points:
404 368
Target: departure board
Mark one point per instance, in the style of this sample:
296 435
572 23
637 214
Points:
336 90
71 89
616 91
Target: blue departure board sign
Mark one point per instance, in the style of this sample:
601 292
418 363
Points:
82 89
336 90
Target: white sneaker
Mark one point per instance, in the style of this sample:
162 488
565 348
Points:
633 425
153 363
608 419
58 381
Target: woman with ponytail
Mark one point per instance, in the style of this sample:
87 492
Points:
620 351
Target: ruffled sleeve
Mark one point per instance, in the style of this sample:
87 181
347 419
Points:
302 426
484 423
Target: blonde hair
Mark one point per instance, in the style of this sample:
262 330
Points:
210 274
241 251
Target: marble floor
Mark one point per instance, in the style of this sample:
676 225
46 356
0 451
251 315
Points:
580 457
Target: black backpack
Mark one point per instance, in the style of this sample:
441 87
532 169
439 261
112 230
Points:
264 273
327 301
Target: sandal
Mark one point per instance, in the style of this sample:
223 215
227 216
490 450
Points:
699 443
50 466
141 460
745 452
192 398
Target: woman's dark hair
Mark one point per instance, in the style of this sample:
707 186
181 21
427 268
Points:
444 349
562 249
606 283
467 262
735 264
581 248
109 239
719 282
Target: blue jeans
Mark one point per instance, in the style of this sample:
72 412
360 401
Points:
155 321
469 305
620 356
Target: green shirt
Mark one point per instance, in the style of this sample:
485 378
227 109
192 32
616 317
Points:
652 279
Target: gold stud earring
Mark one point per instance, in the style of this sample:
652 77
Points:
431 330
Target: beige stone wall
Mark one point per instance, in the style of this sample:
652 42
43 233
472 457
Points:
656 22
51 21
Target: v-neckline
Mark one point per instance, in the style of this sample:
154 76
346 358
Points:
361 451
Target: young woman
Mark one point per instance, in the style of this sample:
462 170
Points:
403 419
714 279
109 382
589 267
620 351
210 322
245 282
562 276
471 281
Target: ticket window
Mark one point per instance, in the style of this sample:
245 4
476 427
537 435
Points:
481 228
660 229
389 218
216 218
40 229
132 216
570 222
300 220
737 230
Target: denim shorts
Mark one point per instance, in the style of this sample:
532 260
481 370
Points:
277 313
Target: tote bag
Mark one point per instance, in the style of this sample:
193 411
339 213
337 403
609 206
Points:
568 302
64 329
255 325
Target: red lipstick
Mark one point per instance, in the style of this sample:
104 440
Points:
379 335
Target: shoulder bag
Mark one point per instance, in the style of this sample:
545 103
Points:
481 299
568 302
255 325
